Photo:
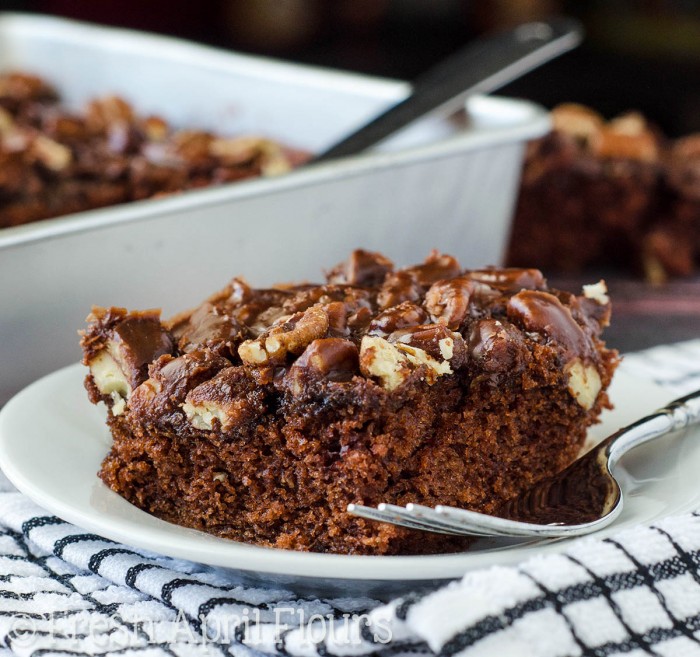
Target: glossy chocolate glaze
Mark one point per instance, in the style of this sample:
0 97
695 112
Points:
491 318
541 312
134 339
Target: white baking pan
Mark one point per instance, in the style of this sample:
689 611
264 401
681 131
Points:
437 185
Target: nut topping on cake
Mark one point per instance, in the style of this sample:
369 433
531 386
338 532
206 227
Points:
542 312
392 363
400 316
577 120
57 160
362 268
290 336
510 279
328 355
398 287
584 383
436 340
50 153
437 266
118 348
448 301
598 292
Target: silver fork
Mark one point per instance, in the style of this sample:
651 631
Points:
579 500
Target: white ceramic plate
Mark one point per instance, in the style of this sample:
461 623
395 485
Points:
52 441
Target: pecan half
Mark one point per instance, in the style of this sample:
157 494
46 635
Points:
448 301
292 336
398 287
437 266
398 317
363 268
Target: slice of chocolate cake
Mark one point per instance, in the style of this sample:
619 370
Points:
262 413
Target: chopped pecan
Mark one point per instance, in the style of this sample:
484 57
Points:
118 348
584 383
392 363
292 336
103 112
448 301
252 352
235 150
542 312
260 308
171 379
303 298
327 355
437 266
382 360
65 128
598 292
155 128
7 122
238 291
436 340
398 287
337 318
576 120
18 88
192 145
239 151
50 153
297 333
212 327
497 346
360 319
510 279
226 400
626 137
363 268
398 317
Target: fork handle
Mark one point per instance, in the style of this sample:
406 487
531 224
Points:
679 414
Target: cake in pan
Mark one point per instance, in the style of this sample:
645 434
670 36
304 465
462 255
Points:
259 415
55 161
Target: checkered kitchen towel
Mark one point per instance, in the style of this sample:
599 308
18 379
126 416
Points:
66 592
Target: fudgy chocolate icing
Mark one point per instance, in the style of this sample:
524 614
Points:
486 318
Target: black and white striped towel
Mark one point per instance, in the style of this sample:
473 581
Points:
65 592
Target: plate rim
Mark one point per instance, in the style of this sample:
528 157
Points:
215 551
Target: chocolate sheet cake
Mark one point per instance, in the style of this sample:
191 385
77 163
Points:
55 161
259 415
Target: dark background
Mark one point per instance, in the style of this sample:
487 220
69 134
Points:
638 54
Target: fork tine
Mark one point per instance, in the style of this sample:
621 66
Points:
462 522
495 526
417 522
393 518
430 515
418 517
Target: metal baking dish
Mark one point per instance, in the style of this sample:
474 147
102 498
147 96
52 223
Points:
438 184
